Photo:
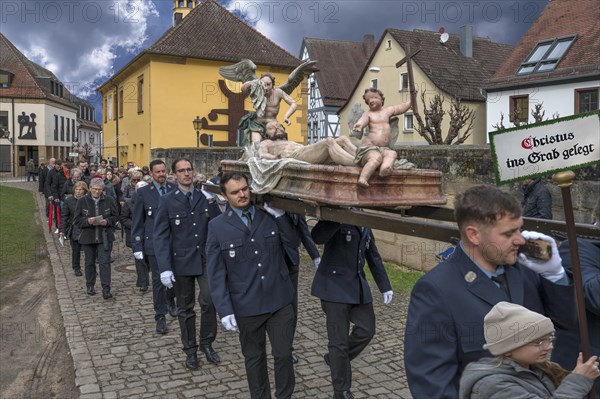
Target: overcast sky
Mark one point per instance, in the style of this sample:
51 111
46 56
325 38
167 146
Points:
84 42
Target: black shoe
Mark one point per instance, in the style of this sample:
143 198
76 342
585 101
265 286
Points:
161 326
210 353
343 395
173 309
106 293
191 362
326 357
91 291
295 358
143 288
78 273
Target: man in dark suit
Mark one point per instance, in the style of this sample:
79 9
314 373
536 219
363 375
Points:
180 239
250 284
568 342
142 240
444 327
96 216
341 284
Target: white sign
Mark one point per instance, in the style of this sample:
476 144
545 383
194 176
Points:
73 154
550 146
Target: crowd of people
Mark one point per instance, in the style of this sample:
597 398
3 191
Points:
482 324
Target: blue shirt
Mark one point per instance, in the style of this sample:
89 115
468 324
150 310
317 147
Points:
239 213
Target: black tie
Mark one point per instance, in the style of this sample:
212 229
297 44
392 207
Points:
501 279
162 190
248 217
189 197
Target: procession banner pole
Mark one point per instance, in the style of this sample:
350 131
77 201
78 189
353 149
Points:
565 181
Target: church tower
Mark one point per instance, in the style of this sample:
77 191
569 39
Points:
181 8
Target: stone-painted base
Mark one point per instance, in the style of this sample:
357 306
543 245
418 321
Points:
337 185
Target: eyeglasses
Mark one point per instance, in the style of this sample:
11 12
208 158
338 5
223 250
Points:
544 342
188 170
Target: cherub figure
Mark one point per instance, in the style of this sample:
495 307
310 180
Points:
374 151
266 98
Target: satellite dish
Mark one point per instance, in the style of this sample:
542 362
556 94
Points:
444 37
374 69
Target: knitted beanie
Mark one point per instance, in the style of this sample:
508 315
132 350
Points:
509 326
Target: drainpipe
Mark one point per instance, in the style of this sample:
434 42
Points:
117 120
14 138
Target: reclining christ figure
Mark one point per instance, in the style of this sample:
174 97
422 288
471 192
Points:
339 151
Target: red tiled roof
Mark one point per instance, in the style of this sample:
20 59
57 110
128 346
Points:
340 64
559 18
211 32
447 67
29 78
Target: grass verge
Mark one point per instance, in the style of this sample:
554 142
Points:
21 239
402 278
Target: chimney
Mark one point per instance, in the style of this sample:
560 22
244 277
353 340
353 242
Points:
466 40
177 18
368 45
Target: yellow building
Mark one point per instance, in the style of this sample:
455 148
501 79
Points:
452 66
152 101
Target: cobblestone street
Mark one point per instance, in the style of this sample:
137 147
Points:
117 353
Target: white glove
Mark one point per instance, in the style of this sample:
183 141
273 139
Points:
139 255
167 278
209 196
229 322
317 262
273 211
387 297
551 269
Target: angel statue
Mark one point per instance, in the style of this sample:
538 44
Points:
381 124
266 98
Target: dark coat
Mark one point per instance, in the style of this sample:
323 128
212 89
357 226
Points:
125 219
67 188
537 201
42 181
341 276
142 220
303 232
67 212
568 343
444 327
247 270
180 231
56 179
107 208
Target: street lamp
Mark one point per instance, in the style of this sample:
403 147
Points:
197 126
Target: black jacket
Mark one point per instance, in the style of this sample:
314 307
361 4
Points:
56 179
125 219
537 202
94 234
67 225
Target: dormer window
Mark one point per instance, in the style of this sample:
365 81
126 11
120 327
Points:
546 55
5 79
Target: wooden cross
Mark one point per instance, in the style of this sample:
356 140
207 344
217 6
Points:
411 81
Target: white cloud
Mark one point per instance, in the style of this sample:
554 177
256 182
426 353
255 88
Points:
79 41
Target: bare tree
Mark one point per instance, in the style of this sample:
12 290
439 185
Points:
537 113
431 129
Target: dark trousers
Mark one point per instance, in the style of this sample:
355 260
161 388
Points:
294 273
31 175
253 341
141 269
100 253
76 254
185 292
343 348
161 296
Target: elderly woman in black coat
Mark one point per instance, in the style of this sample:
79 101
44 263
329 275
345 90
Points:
70 230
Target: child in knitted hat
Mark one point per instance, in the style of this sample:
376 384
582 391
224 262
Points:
522 341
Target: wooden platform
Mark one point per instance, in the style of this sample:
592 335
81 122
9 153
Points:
337 185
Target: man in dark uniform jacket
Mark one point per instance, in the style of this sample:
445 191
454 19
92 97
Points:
345 295
180 238
250 284
96 216
142 240
444 327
